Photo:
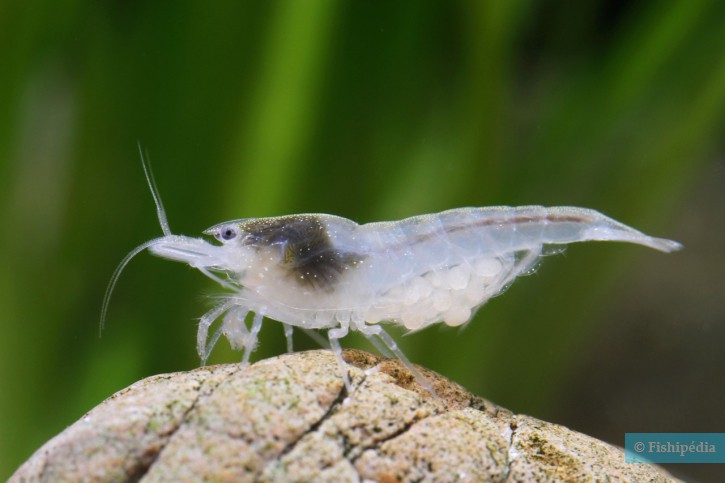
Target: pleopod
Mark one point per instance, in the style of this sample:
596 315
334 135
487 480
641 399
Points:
319 271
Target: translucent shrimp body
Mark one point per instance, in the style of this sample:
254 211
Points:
314 271
317 271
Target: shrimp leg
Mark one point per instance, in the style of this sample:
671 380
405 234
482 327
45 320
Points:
372 331
223 283
203 333
234 327
288 335
211 344
334 336
251 341
321 341
367 331
524 262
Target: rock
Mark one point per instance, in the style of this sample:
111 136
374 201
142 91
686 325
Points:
289 418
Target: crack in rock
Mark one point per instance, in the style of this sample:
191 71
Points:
316 425
277 467
361 449
138 472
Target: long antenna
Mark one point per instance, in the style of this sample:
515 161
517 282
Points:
160 211
115 277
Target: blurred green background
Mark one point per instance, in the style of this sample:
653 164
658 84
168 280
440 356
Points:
371 110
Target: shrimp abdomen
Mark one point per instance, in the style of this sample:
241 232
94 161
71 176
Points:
443 266
506 229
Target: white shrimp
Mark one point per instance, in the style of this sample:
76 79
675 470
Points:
317 271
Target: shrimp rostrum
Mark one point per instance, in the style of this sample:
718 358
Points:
318 271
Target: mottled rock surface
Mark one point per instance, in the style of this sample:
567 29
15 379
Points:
290 418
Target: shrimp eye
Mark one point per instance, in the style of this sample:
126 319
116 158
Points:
228 233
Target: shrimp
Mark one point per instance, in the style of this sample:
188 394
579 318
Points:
319 271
